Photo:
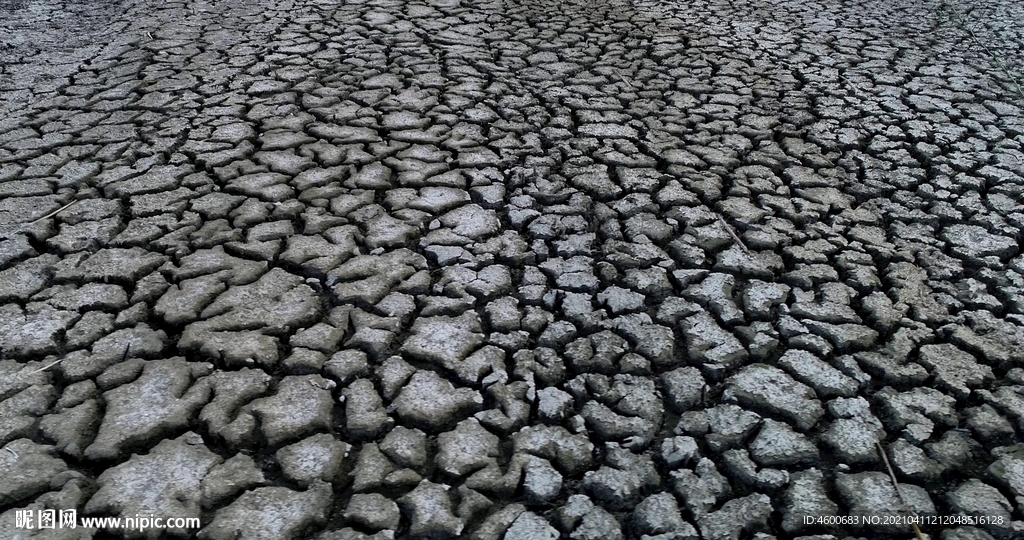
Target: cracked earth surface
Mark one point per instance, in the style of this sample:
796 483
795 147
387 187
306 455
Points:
512 270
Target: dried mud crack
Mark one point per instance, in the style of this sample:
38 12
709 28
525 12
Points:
512 270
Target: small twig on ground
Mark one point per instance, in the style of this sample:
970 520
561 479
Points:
896 485
55 212
48 366
732 233
623 78
958 17
11 450
853 87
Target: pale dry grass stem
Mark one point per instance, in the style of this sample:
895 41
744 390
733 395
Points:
896 486
961 22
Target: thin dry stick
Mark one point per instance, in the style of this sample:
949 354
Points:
974 37
55 212
732 233
896 485
623 77
11 450
47 366
853 86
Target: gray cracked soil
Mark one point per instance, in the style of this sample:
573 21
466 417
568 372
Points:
396 269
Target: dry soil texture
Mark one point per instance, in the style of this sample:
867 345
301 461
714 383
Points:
512 269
